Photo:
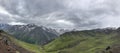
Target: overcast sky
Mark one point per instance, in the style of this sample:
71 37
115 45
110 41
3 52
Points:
80 14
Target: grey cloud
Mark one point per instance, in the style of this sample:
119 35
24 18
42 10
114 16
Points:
82 14
5 19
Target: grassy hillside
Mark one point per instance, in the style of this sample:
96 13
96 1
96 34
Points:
89 41
28 46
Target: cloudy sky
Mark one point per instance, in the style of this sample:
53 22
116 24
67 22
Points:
69 14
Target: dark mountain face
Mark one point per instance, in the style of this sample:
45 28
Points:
31 33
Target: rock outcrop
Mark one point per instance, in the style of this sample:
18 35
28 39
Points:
112 49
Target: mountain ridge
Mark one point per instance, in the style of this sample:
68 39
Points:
31 33
86 41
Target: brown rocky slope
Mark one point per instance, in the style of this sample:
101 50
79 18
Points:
8 46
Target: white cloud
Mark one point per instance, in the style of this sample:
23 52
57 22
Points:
64 22
16 23
4 11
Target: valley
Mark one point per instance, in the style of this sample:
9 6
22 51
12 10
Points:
87 41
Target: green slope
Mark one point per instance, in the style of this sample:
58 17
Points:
90 41
28 46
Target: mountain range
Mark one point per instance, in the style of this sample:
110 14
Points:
105 40
31 33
